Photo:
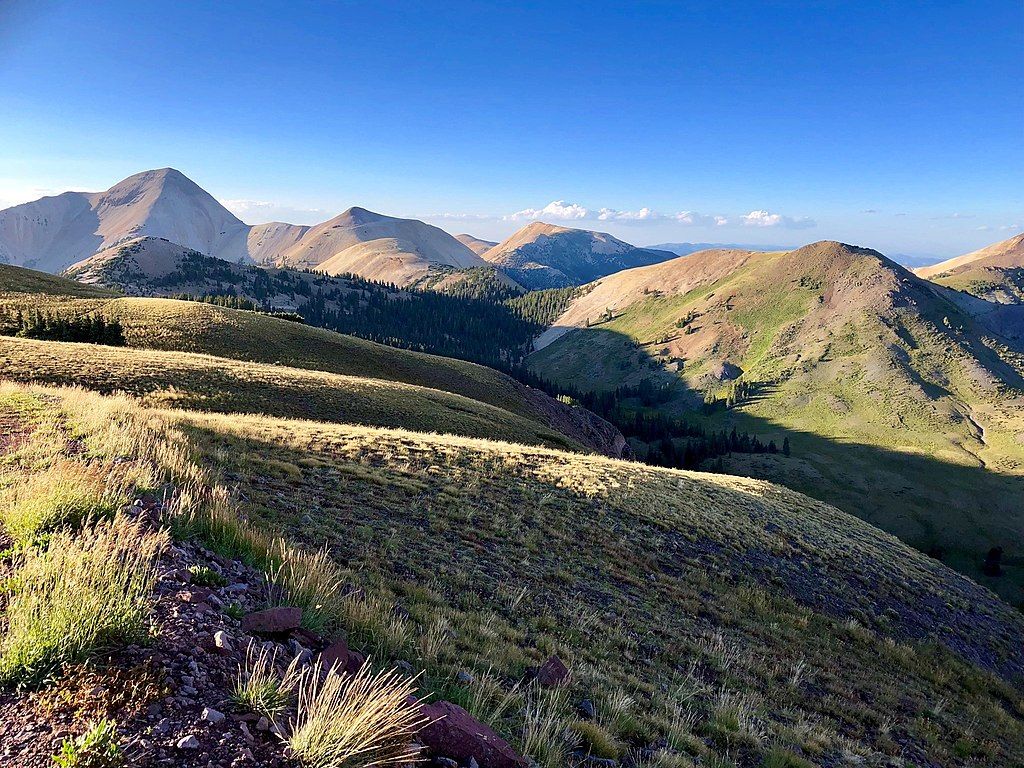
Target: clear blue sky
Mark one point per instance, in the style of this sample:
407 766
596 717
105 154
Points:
898 125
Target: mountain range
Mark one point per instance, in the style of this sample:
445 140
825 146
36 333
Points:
54 233
480 523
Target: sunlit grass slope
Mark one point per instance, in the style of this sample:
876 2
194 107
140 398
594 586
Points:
188 380
187 326
727 620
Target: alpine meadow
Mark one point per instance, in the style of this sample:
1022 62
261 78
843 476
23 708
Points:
655 400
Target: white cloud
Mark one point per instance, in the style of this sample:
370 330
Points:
556 210
694 219
262 211
644 214
763 218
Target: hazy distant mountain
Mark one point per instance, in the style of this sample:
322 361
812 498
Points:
995 272
548 256
475 244
53 233
682 249
378 247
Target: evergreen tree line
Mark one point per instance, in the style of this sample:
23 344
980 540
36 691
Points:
671 441
91 329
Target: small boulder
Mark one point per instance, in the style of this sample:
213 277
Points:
212 716
222 641
587 710
272 620
552 673
334 655
188 742
452 732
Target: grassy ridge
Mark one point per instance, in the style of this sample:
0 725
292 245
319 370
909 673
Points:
701 612
20 280
186 380
185 326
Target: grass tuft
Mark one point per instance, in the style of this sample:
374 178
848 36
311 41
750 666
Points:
546 737
82 592
63 495
260 687
361 720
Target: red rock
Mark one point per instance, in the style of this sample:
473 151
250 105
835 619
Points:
307 637
334 654
552 673
355 662
452 732
272 620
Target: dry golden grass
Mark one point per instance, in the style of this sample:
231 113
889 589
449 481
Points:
704 610
185 380
360 720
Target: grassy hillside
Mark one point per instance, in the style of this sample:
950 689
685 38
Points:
703 615
185 326
900 407
21 280
187 380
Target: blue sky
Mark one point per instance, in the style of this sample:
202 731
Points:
897 125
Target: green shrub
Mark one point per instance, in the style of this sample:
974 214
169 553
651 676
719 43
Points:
98 747
204 576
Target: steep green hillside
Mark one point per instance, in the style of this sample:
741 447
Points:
900 407
702 615
170 325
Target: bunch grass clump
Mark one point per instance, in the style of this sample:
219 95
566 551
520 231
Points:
366 719
82 592
63 495
310 580
260 687
546 735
